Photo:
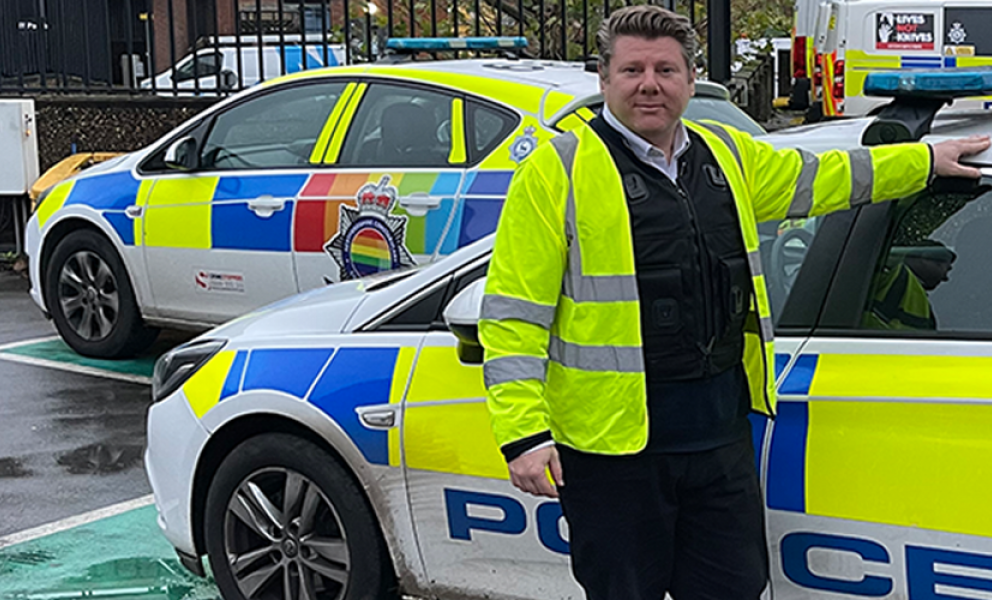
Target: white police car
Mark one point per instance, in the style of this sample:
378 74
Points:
337 445
320 176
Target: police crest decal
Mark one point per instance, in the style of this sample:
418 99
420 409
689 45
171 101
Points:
369 238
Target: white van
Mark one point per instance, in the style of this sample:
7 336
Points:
856 37
217 66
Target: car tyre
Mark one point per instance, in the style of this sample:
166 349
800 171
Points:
284 520
89 295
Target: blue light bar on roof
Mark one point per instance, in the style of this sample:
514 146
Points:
463 43
946 83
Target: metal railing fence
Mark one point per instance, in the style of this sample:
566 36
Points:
217 47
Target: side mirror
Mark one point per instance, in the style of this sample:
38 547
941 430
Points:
228 80
181 155
462 318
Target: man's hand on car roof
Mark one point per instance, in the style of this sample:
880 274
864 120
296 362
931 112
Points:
947 153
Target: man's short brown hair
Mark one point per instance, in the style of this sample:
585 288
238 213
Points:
648 22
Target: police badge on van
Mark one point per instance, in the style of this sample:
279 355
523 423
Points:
369 238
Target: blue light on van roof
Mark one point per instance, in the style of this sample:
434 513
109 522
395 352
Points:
462 43
947 83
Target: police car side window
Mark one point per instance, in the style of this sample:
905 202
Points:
205 64
276 129
487 127
426 312
399 126
934 274
784 246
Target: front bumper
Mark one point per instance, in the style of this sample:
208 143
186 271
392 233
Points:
175 441
32 246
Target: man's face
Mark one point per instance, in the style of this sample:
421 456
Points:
648 85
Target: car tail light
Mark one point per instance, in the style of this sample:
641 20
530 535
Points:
818 70
799 57
838 91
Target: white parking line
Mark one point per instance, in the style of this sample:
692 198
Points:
13 345
83 519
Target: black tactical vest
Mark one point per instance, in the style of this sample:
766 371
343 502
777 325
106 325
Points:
692 273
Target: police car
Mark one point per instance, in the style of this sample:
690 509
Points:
318 177
337 444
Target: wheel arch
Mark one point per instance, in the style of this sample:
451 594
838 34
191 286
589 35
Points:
227 437
58 232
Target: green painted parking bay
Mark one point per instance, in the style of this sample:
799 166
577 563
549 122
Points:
122 556
52 352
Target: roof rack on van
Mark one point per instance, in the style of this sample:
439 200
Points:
917 96
510 47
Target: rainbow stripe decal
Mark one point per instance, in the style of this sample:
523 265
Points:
370 251
370 239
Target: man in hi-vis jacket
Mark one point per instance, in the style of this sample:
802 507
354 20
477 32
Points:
626 322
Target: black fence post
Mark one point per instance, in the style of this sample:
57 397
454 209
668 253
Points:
280 16
87 78
149 19
258 34
50 52
325 22
132 80
718 40
237 44
221 81
172 48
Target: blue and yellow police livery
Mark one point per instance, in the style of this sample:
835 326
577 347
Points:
317 177
337 444
313 178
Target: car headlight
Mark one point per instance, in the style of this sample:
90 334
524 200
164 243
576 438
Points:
179 364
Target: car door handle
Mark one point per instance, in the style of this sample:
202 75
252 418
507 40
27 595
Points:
378 417
264 206
418 203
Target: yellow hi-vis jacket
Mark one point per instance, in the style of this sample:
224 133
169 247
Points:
560 319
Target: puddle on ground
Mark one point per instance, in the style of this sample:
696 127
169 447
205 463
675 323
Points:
122 579
100 459
11 467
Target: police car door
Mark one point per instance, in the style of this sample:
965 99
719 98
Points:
880 463
394 166
217 239
478 535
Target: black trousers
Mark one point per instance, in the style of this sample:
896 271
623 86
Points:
688 524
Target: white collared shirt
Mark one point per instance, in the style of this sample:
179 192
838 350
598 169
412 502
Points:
648 153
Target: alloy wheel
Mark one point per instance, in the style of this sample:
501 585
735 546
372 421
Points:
88 295
283 539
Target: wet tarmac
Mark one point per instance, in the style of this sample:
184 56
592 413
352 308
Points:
72 443
69 443
76 519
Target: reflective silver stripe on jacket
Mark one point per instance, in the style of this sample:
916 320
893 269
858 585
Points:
499 308
624 359
513 368
767 329
802 200
862 176
724 136
575 285
754 261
